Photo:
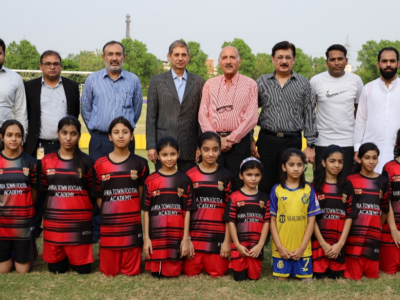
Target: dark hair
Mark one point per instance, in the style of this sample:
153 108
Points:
251 164
121 120
208 135
8 123
388 49
178 43
49 52
364 148
112 43
285 157
67 121
284 46
320 172
398 139
165 142
3 45
338 47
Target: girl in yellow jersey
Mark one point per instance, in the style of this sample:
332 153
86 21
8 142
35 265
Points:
293 210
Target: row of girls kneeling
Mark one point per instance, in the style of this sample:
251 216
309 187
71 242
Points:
193 222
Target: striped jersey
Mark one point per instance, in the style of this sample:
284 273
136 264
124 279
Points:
68 210
211 192
167 198
371 197
392 171
17 178
249 213
292 208
336 208
117 184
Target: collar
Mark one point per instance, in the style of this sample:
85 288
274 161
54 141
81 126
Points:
3 69
235 79
174 76
60 81
272 75
393 84
105 74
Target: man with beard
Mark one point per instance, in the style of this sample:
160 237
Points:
109 93
378 110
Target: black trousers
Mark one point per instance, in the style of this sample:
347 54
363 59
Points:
348 158
183 165
271 149
99 146
232 159
41 196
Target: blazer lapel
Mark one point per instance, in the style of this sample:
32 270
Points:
171 85
189 85
36 93
68 95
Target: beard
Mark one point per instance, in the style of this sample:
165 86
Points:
114 69
389 74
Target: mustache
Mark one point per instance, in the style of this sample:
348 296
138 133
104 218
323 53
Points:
389 69
284 65
228 66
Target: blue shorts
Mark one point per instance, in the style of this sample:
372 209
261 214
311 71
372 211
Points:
297 268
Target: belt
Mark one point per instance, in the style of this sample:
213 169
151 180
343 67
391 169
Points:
224 134
49 142
100 132
282 134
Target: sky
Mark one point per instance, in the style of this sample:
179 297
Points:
313 25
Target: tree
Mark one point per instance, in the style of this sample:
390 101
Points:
319 65
70 65
368 56
263 65
248 59
22 56
145 65
90 61
197 63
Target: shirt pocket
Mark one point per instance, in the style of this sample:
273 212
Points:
126 99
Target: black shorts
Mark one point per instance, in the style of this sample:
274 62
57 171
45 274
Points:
23 250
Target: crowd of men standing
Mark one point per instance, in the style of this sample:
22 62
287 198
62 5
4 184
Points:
332 108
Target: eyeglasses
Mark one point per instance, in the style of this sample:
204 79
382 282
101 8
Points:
280 58
224 108
49 64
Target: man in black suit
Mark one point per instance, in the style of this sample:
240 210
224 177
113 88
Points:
49 99
173 102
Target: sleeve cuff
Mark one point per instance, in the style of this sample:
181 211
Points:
356 147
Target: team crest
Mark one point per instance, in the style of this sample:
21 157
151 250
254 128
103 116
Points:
26 171
105 177
51 172
321 197
220 185
280 264
358 191
344 198
396 178
195 185
180 192
380 194
262 204
79 172
240 203
134 174
156 193
305 199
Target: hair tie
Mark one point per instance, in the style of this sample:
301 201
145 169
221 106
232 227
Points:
248 159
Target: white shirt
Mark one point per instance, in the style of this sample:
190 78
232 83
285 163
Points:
378 118
12 98
335 98
53 107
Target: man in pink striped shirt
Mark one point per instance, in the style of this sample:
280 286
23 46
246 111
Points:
229 107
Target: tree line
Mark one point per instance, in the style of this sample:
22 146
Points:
139 60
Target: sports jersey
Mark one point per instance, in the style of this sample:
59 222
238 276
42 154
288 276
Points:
249 213
68 210
118 184
167 198
292 208
336 208
371 197
392 171
211 192
17 178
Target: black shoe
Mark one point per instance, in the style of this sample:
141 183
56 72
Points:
95 237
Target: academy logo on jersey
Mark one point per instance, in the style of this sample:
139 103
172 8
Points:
396 178
105 177
262 204
51 172
280 264
282 219
79 172
358 191
195 185
380 194
156 193
240 203
283 198
180 192
344 198
305 199
26 171
134 174
220 185
321 197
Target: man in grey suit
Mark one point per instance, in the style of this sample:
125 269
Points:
173 103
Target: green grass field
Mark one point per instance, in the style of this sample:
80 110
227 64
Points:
40 284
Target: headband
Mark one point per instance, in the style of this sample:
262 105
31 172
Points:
249 159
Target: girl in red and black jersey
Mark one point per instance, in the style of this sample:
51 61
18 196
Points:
371 198
67 222
17 197
334 194
208 232
248 215
390 242
167 202
120 178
